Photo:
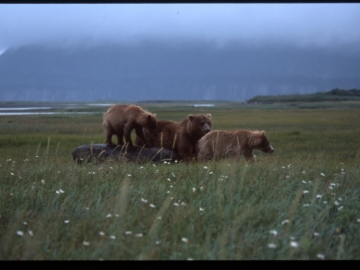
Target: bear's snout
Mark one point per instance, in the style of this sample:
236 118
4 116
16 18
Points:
271 149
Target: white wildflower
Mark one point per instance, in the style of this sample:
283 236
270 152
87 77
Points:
66 221
30 233
128 232
61 191
157 242
303 181
152 206
271 245
294 244
303 171
185 240
322 174
129 175
336 203
86 243
316 234
139 235
205 167
305 191
25 223
306 205
101 233
108 216
288 176
324 202
176 204
143 200
201 209
210 172
112 237
19 233
43 181
321 256
285 222
193 189
274 232
340 208
168 179
318 196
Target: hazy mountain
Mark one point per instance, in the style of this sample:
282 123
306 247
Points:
172 71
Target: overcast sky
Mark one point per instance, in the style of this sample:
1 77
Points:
325 25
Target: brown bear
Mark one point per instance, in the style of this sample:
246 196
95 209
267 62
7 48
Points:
122 119
180 137
219 144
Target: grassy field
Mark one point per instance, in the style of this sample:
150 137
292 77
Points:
301 202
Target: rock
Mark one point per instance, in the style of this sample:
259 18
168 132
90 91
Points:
100 152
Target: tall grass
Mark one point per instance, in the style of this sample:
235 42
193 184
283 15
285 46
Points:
302 202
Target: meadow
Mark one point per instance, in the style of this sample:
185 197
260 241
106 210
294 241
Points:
299 203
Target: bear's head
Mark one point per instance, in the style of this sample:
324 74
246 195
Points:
151 124
258 140
199 125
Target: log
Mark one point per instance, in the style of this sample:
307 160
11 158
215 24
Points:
101 152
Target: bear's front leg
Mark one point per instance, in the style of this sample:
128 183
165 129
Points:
127 135
140 134
108 141
187 153
249 156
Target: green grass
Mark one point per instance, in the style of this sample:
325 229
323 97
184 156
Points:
203 211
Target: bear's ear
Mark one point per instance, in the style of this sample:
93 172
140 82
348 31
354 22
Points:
154 114
209 115
149 116
191 117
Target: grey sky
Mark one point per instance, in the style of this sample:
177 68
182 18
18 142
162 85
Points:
324 25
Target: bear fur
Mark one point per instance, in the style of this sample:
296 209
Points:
180 137
219 144
122 119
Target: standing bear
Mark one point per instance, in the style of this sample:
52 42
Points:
122 119
219 144
180 137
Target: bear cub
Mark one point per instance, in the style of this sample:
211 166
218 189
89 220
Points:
180 137
219 144
122 119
